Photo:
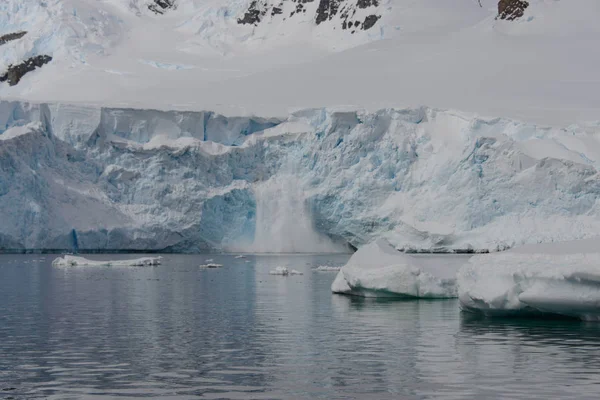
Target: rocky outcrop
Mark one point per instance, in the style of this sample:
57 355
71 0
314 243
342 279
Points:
327 10
11 36
342 12
161 6
511 9
254 14
16 72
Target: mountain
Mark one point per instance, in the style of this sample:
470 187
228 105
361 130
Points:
174 125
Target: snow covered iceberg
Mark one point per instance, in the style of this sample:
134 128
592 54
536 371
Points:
74 261
379 270
554 278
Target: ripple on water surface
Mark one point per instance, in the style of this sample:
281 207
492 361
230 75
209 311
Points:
179 331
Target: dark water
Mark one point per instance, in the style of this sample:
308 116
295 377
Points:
177 331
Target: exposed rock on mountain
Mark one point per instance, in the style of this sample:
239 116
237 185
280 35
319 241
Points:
327 10
9 37
511 9
161 6
16 72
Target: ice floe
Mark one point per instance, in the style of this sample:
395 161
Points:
379 270
555 278
327 268
74 261
284 271
211 265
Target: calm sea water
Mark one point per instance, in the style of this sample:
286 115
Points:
180 332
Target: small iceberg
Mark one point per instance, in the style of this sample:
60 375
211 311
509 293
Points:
74 261
240 256
379 270
284 271
554 278
327 268
211 265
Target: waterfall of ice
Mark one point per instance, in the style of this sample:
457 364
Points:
283 220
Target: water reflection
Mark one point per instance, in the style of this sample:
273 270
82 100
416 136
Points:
178 331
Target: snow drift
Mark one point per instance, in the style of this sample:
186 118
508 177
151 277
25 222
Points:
379 270
557 278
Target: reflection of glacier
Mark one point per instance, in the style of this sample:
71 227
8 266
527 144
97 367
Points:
188 181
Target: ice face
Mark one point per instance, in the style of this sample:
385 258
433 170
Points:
560 279
379 270
420 178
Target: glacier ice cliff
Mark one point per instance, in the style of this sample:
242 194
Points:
124 179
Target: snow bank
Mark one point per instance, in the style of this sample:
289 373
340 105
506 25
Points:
284 271
562 279
379 270
74 261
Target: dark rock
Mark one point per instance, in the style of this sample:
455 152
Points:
11 36
511 9
327 10
370 20
160 6
367 3
254 14
276 11
16 72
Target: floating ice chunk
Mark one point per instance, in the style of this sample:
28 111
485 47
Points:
74 261
379 270
211 265
284 271
209 260
240 256
327 268
557 278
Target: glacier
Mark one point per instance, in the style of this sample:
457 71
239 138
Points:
543 279
379 270
94 178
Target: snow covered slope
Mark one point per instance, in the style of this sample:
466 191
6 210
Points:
87 177
323 97
197 55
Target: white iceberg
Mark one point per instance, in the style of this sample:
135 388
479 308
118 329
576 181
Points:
327 268
554 278
379 270
284 271
211 265
74 261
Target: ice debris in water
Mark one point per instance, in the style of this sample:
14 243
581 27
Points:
240 256
554 278
211 265
379 270
284 271
74 261
327 268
